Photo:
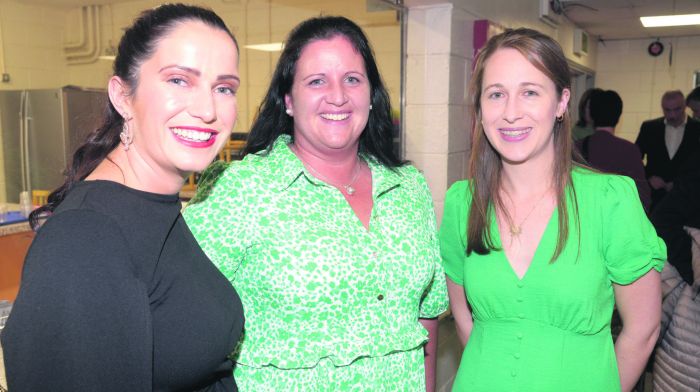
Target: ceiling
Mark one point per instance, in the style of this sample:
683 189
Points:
608 19
619 19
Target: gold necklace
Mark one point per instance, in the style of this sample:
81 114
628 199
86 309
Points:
516 230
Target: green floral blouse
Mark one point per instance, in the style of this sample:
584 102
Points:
314 282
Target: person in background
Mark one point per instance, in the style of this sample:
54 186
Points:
608 153
328 236
680 208
539 249
667 142
692 101
116 295
584 125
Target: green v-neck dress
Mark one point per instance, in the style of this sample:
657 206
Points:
550 330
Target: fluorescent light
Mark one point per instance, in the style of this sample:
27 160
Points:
272 47
109 58
670 20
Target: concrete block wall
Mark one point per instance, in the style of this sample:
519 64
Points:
640 79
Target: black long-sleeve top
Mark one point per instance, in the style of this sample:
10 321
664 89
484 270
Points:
116 295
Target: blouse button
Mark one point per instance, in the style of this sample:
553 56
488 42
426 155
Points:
380 297
513 373
516 355
521 284
521 315
519 299
519 335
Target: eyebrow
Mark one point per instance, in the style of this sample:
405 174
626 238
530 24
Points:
196 72
525 84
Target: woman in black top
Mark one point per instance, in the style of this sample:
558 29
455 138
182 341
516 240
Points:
116 295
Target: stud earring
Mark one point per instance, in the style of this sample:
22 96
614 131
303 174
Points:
370 107
126 137
288 111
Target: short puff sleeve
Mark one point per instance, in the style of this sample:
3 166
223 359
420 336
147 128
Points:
631 247
453 231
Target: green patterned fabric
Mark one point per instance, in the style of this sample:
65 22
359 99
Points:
314 282
402 371
550 330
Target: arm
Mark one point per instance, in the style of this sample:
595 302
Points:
460 311
81 320
639 304
431 325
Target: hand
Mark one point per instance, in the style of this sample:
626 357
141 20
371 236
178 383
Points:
657 182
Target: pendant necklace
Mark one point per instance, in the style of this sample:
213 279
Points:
349 189
516 230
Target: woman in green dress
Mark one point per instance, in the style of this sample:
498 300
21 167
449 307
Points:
537 248
329 238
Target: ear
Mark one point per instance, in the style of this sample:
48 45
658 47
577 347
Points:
563 102
288 102
119 96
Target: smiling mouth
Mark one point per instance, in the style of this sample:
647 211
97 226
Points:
514 132
192 135
335 116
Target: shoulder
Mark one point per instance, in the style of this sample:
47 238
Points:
653 124
597 184
459 190
79 240
693 124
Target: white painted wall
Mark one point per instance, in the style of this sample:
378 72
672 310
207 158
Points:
626 67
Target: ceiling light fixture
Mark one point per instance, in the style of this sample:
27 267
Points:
272 47
670 20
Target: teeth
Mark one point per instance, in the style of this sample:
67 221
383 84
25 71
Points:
515 133
335 116
192 135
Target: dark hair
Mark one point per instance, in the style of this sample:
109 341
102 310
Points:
485 165
582 103
693 95
271 120
136 46
606 108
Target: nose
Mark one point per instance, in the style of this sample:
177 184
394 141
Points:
511 111
336 94
203 106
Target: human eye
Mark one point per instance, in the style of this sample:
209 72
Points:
494 95
316 82
226 90
177 80
530 93
353 79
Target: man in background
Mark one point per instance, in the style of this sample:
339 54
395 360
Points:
667 142
609 153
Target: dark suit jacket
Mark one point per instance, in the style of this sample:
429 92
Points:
652 144
611 154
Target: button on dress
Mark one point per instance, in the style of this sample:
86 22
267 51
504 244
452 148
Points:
550 330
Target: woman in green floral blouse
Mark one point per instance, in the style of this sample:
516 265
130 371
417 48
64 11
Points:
327 236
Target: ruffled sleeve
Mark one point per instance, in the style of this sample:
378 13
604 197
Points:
631 247
453 231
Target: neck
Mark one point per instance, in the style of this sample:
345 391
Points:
606 129
340 167
128 168
520 181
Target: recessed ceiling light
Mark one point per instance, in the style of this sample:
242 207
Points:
272 47
670 20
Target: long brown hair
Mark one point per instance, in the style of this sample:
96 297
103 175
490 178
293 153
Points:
485 163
